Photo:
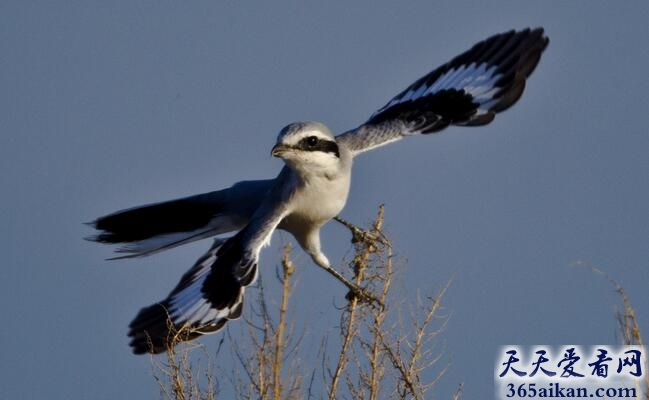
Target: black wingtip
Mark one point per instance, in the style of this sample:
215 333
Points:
92 224
221 275
91 238
445 96
150 330
153 332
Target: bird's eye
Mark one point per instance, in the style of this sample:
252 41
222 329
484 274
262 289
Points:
312 141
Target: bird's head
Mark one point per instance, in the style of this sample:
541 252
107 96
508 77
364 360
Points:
308 148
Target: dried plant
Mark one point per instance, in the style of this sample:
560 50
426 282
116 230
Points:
627 322
179 376
383 351
263 354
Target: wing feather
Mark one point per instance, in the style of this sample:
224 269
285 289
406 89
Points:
211 292
467 91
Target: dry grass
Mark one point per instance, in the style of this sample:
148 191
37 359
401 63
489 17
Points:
385 350
266 354
627 323
378 359
180 378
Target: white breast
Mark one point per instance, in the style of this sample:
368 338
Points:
316 201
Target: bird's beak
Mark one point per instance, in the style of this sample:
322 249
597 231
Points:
278 150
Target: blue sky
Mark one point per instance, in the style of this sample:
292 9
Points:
111 105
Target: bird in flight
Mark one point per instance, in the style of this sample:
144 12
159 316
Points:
310 190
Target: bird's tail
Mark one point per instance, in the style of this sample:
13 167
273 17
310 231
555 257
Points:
148 229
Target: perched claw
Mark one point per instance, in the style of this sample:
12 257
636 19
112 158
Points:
364 296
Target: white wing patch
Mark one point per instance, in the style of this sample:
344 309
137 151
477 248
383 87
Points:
189 307
476 80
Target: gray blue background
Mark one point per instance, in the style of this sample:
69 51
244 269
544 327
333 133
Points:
107 105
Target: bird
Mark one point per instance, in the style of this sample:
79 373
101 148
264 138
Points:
310 189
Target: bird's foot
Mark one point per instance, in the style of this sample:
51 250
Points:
355 291
363 295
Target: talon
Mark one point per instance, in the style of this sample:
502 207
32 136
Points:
363 295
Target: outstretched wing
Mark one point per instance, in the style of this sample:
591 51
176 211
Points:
148 229
469 91
211 292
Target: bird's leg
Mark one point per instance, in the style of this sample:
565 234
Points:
358 234
365 242
311 243
365 236
355 291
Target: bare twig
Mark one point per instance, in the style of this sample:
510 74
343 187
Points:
627 320
374 358
288 269
458 393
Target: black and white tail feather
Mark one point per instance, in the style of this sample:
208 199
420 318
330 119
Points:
467 91
145 230
211 292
